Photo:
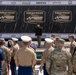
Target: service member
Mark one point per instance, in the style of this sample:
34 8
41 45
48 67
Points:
6 50
31 45
53 36
1 57
72 44
55 45
14 48
25 58
73 52
58 61
49 43
74 62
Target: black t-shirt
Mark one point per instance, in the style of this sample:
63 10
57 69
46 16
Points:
39 31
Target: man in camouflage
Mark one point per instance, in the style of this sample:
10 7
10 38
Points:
49 43
6 58
73 52
55 45
72 44
58 61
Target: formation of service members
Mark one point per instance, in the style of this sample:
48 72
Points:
24 58
56 60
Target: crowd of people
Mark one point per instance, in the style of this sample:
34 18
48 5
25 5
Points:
56 60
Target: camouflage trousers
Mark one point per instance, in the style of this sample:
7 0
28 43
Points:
5 69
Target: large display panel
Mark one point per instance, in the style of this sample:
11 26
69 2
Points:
17 20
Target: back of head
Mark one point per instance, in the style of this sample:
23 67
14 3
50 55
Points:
26 40
10 43
53 35
57 38
49 40
71 36
15 39
2 41
62 41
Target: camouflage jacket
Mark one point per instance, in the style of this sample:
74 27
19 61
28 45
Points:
6 54
57 62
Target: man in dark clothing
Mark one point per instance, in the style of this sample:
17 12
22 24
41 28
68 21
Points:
38 33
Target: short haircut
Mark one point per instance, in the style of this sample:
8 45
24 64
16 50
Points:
53 35
71 36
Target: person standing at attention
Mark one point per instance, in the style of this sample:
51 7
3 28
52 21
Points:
73 52
14 49
59 60
1 57
6 51
49 48
25 58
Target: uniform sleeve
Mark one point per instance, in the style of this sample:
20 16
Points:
34 56
33 59
49 62
16 58
18 47
8 49
73 46
15 49
1 56
69 64
7 57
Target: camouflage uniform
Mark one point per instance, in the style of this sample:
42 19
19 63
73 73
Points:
59 60
55 45
6 59
44 57
74 63
72 46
